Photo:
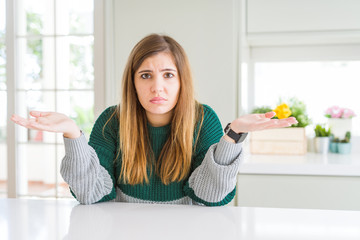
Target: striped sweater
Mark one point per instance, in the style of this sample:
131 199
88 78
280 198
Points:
90 170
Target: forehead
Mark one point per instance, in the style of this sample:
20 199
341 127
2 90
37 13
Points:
160 60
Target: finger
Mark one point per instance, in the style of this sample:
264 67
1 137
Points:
293 120
277 123
23 122
28 123
39 114
38 126
16 118
270 114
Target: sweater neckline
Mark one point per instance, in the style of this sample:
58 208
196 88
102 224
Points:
159 130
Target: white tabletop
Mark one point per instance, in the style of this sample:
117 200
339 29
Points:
66 219
330 164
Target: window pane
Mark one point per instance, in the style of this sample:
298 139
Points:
318 84
3 116
74 17
3 170
35 100
78 105
36 63
75 63
2 15
36 175
35 17
3 145
2 62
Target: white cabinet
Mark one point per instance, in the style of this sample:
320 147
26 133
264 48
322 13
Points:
275 16
318 181
298 191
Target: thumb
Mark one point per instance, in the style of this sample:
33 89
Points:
39 114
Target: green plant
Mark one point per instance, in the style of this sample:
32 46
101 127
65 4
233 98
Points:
347 138
297 108
84 118
321 131
263 109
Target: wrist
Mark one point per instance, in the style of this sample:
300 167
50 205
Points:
229 139
236 137
72 135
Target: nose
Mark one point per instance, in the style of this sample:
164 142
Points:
158 84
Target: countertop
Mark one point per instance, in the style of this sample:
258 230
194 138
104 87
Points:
66 219
330 164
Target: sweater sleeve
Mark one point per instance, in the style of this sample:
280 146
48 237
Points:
215 165
88 167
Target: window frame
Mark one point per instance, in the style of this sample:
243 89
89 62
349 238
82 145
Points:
11 81
301 53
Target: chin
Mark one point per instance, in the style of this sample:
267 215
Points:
158 109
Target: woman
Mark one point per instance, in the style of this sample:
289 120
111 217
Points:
159 145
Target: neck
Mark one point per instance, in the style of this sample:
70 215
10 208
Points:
159 120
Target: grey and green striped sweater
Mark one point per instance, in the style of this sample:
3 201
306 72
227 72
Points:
91 172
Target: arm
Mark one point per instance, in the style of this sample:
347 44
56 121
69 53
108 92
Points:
215 165
88 168
213 180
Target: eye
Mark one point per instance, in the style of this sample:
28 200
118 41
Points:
145 76
168 75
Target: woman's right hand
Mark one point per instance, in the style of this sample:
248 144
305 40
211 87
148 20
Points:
50 122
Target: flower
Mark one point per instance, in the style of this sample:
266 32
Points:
292 108
338 112
282 111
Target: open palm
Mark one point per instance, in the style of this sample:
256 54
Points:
48 121
257 122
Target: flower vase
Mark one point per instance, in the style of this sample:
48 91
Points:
334 147
344 148
322 144
339 126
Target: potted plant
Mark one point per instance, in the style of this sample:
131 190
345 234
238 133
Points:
340 120
290 140
344 146
322 139
334 142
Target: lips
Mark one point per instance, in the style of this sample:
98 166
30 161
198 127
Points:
158 100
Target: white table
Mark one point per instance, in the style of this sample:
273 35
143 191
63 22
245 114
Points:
66 219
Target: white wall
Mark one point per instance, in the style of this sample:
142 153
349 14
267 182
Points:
274 16
208 31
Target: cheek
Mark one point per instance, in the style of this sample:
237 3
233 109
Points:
140 90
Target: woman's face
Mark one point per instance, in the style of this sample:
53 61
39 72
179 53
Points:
157 85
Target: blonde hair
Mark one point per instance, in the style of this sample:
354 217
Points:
137 157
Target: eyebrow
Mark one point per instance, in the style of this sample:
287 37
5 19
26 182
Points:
162 70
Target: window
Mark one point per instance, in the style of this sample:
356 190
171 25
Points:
319 84
3 105
54 72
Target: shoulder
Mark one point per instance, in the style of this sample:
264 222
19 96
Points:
107 120
210 118
209 112
209 124
108 112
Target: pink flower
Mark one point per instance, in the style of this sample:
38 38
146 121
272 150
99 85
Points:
348 113
337 112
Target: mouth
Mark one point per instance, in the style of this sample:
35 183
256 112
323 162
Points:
158 100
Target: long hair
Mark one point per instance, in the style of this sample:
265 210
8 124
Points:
137 157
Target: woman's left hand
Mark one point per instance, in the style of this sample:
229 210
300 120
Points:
256 122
